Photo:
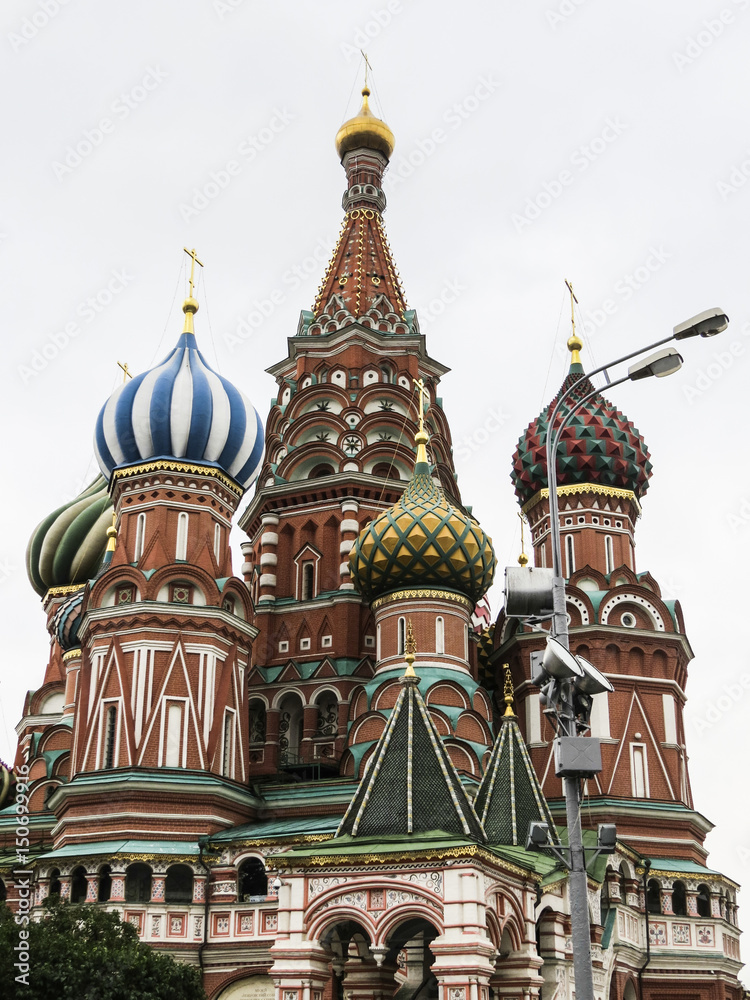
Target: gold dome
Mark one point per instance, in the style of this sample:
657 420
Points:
365 130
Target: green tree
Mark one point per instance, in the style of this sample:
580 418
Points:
86 953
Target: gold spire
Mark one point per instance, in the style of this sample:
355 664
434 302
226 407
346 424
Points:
112 533
126 371
410 652
190 305
508 693
574 342
421 437
523 559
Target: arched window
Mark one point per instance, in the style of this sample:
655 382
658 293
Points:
217 542
105 884
570 555
386 372
321 470
328 714
78 885
178 885
252 881
54 882
401 636
140 536
386 471
679 899
653 897
439 635
704 900
257 726
308 581
138 883
182 536
110 738
609 554
227 751
623 883
3 891
290 729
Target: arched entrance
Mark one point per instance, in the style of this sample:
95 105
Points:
401 967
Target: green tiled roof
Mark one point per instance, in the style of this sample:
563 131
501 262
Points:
509 796
124 847
410 785
272 829
680 865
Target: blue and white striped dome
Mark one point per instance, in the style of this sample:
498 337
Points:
183 410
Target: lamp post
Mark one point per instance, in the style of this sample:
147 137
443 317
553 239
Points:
660 364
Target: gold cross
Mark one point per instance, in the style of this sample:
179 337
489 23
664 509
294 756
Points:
126 371
419 383
367 64
573 300
194 261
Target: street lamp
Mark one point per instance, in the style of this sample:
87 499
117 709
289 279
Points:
571 747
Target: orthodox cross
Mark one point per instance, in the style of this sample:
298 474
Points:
367 64
573 301
193 261
419 383
126 371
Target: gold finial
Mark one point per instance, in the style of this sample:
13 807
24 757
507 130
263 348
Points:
523 559
574 342
410 650
126 371
190 305
508 693
112 532
421 437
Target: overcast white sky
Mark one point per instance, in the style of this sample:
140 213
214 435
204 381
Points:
603 142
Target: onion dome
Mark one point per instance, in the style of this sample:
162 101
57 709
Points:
365 131
422 541
67 619
181 410
67 547
599 445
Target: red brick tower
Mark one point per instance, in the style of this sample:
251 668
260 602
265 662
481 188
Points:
618 621
339 452
157 645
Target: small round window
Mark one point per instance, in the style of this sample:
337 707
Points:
628 619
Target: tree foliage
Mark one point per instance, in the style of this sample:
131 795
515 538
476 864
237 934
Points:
87 953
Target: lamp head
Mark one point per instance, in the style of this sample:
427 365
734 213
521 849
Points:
592 681
538 836
662 363
705 324
559 662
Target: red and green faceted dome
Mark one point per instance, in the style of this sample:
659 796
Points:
600 445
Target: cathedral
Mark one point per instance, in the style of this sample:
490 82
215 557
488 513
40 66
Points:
315 779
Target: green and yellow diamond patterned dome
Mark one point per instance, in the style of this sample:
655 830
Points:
422 541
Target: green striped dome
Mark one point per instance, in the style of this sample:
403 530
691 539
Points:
423 541
68 546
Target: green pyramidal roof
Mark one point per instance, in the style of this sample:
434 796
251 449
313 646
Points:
410 785
509 796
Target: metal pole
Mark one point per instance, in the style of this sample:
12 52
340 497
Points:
577 877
